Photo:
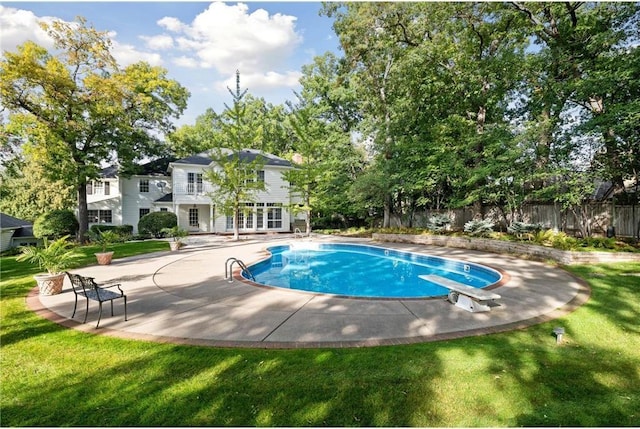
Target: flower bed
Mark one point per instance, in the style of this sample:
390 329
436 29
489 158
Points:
521 249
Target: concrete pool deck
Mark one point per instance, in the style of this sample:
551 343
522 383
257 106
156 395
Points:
183 297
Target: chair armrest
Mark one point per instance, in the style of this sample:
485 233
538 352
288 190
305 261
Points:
116 285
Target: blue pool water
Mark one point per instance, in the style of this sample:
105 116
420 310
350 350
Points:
364 271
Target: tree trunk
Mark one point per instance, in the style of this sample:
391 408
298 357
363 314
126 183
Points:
307 222
386 222
83 218
236 226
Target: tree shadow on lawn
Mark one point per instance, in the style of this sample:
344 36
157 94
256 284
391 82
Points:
193 386
510 379
592 378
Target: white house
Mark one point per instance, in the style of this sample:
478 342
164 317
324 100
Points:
179 186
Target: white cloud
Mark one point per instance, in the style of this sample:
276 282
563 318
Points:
187 62
257 82
18 26
171 24
126 54
158 43
227 37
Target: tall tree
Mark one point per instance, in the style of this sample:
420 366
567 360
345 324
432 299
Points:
330 102
235 179
26 192
92 110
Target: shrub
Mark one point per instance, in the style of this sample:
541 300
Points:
598 242
124 232
105 238
438 222
479 228
153 223
56 224
555 239
524 230
53 256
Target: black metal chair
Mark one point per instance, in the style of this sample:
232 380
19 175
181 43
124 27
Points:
88 288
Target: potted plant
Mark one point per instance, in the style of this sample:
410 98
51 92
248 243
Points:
55 257
104 238
177 234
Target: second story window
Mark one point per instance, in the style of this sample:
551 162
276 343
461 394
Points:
96 187
194 183
254 176
144 185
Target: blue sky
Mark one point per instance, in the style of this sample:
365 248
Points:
201 44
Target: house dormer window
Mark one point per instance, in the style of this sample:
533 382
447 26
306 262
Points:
144 185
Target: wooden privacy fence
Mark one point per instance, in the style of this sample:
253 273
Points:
626 219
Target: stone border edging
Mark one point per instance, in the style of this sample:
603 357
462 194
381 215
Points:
534 251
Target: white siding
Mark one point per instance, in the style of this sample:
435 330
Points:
126 200
114 204
5 239
133 200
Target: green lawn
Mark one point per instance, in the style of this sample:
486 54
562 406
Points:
52 376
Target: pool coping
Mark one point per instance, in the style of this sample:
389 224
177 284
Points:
50 309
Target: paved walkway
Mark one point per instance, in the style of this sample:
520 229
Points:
183 297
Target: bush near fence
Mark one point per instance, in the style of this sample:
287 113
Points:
626 221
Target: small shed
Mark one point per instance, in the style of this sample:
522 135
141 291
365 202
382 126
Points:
15 232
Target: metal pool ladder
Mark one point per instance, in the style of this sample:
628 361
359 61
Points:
228 269
297 233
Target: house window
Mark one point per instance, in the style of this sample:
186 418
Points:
245 216
274 216
96 187
194 183
99 216
249 214
260 216
144 212
144 185
229 222
241 219
253 176
193 217
164 209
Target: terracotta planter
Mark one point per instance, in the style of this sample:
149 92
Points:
104 258
50 284
175 245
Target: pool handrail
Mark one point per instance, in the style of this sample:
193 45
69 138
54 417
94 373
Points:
228 269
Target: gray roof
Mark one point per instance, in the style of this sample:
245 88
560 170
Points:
199 159
249 155
8 222
168 198
157 167
246 155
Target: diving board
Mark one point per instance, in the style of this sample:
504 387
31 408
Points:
469 298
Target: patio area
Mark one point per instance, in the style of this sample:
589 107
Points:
183 297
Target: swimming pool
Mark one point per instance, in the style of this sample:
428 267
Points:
363 271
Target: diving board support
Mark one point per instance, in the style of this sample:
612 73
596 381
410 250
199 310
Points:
469 298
